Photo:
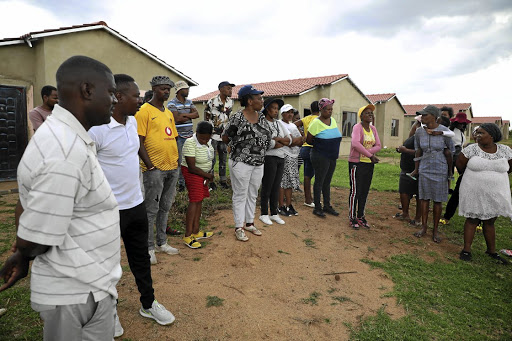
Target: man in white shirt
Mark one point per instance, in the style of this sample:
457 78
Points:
117 146
69 217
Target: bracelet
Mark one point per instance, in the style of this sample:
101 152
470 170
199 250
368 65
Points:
149 169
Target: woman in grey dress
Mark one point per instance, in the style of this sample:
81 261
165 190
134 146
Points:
432 151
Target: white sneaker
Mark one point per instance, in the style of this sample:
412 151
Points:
253 229
240 234
152 257
167 249
277 219
158 313
265 219
312 205
118 329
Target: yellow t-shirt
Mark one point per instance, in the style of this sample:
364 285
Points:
368 142
160 131
306 121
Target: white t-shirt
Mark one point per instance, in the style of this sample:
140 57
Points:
294 132
278 130
117 146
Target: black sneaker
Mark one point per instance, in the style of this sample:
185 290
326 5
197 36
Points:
497 257
284 211
292 210
465 256
224 185
319 212
213 186
331 211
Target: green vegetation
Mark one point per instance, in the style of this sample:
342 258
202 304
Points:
214 301
312 299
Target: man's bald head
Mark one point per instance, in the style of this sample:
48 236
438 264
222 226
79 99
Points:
86 88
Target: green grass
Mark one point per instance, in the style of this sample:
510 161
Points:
214 301
312 299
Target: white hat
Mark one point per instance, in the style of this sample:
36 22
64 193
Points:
285 108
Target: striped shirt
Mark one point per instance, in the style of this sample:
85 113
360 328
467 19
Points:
185 129
202 153
69 206
160 132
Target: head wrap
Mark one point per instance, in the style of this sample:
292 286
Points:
324 102
493 130
161 80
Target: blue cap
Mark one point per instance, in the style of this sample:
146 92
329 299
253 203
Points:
248 90
221 84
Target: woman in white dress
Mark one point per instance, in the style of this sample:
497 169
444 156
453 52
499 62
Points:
485 188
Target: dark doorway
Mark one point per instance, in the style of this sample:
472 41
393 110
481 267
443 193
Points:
13 129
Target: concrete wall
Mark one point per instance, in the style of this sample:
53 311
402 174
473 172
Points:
385 112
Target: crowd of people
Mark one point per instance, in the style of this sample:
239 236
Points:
106 164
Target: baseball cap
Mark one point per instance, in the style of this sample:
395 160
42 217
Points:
248 90
221 84
285 108
181 85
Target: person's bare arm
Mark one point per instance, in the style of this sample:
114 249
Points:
462 162
309 139
143 154
192 168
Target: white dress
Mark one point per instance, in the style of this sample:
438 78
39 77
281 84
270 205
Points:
485 188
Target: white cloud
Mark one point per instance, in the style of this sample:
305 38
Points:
448 53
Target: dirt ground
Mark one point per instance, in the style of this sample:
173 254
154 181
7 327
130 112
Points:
275 286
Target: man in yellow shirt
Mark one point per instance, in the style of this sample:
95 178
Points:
159 162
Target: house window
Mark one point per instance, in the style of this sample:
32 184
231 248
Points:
349 120
394 127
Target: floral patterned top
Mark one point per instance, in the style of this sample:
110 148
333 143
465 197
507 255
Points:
219 114
249 142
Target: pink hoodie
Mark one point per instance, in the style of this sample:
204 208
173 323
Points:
356 146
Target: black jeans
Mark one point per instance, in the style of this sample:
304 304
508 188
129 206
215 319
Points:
270 184
452 204
134 231
324 169
361 174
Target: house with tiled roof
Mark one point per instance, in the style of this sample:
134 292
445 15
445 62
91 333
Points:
498 120
29 62
412 109
301 92
389 119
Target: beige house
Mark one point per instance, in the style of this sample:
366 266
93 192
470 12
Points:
29 62
389 119
411 109
503 124
301 92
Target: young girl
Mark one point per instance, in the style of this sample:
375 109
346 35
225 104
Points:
195 167
290 179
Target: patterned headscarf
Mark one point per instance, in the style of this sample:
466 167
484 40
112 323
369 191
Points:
161 80
324 102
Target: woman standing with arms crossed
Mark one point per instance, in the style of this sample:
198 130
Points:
361 161
248 135
325 137
432 165
485 188
305 152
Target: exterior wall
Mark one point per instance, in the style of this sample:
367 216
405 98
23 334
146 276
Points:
35 67
385 112
406 128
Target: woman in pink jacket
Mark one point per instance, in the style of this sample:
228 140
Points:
365 144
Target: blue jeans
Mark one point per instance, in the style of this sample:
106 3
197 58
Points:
160 191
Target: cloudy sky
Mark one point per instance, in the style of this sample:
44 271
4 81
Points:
437 51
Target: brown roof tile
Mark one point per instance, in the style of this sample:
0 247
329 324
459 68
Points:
486 119
280 88
380 97
411 109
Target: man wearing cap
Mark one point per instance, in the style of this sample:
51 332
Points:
159 162
217 112
184 111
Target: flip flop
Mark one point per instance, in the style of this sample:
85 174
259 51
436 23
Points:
399 216
436 239
420 233
414 222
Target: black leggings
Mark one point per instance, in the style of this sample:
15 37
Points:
270 184
361 174
324 169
